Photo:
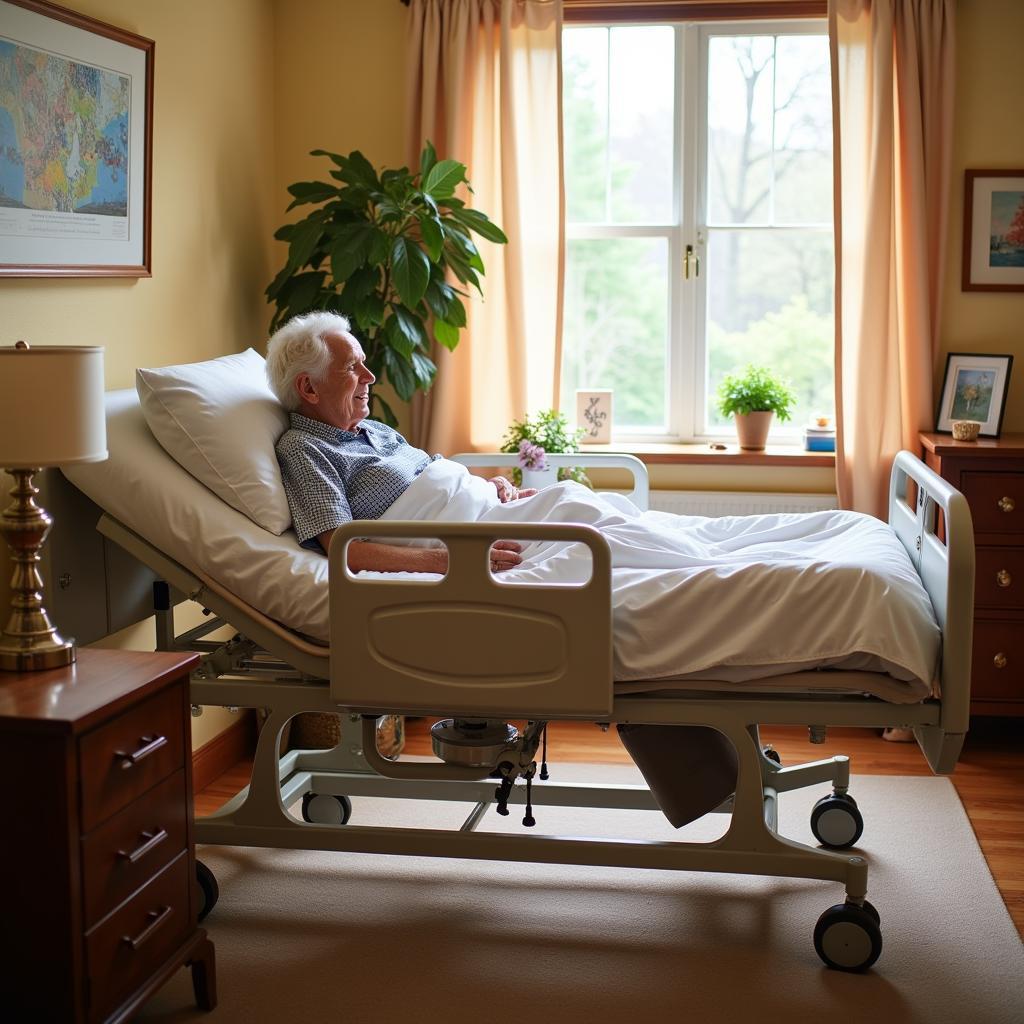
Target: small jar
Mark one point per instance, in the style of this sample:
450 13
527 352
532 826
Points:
966 430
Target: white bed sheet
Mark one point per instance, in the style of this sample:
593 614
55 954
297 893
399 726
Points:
679 613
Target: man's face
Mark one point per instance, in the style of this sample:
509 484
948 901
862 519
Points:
342 398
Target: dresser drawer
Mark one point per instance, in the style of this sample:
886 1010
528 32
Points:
130 944
996 500
999 578
129 754
126 851
997 668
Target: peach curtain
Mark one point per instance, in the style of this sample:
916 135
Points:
485 88
892 95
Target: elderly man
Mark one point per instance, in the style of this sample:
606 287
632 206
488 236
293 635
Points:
336 464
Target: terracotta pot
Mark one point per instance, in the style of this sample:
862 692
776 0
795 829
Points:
752 430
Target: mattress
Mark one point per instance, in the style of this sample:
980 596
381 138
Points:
670 628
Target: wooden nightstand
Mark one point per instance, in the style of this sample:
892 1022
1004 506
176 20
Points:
100 892
990 474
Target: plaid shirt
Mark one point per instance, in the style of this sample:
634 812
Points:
332 476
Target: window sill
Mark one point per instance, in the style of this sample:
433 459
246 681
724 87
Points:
730 455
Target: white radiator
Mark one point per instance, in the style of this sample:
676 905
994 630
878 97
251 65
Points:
737 503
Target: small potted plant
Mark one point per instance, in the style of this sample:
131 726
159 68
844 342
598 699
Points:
751 398
533 438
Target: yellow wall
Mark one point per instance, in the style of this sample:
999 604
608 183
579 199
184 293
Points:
213 147
987 135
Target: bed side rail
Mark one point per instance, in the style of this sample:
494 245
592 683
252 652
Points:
639 495
469 643
947 571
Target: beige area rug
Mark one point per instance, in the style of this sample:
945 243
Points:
358 938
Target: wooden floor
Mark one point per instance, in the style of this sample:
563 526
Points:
989 777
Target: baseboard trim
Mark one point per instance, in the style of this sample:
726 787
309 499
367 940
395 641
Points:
223 752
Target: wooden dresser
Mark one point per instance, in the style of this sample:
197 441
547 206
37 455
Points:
100 893
990 474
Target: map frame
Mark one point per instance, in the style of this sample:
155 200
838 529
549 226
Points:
42 242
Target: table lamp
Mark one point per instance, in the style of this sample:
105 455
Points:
51 414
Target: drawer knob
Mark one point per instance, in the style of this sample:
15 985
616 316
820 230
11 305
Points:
1003 578
999 660
150 745
156 918
1006 504
150 840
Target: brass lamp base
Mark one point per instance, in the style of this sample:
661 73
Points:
29 642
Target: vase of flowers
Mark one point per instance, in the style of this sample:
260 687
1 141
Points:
533 439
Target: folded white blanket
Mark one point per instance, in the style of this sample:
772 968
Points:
689 593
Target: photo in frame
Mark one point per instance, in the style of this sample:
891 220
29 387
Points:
76 143
974 388
993 253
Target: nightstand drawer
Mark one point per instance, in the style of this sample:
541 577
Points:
130 754
999 578
996 500
127 946
129 849
997 671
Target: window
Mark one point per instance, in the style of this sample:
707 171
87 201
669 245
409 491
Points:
698 164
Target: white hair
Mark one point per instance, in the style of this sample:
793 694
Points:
299 347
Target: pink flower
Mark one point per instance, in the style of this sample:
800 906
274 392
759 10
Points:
531 456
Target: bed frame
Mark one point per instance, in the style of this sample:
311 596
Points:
421 648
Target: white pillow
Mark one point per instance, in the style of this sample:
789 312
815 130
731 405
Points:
220 421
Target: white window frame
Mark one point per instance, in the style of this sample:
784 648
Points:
686 362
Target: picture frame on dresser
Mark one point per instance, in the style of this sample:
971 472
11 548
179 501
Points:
76 144
974 387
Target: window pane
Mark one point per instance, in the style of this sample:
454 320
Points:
803 131
585 122
741 70
616 301
769 302
640 119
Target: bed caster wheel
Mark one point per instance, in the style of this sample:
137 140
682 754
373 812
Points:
836 822
326 809
847 937
209 891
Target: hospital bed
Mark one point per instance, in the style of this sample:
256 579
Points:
421 648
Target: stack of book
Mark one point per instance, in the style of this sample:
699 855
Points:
820 439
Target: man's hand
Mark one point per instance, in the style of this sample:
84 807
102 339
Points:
505 554
507 491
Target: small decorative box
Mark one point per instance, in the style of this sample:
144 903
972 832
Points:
819 439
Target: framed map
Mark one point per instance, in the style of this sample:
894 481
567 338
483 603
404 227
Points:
76 143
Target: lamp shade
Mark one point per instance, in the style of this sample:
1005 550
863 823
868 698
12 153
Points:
52 410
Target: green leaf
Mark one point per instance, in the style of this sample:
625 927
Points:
411 326
411 271
443 178
368 311
357 170
350 247
433 235
400 374
456 314
481 224
361 283
284 233
306 236
446 334
386 413
302 291
427 159
339 160
311 192
424 369
438 297
399 341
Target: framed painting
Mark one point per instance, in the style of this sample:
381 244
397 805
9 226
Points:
974 388
76 145
993 257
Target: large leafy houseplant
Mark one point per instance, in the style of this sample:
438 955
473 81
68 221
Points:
377 249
